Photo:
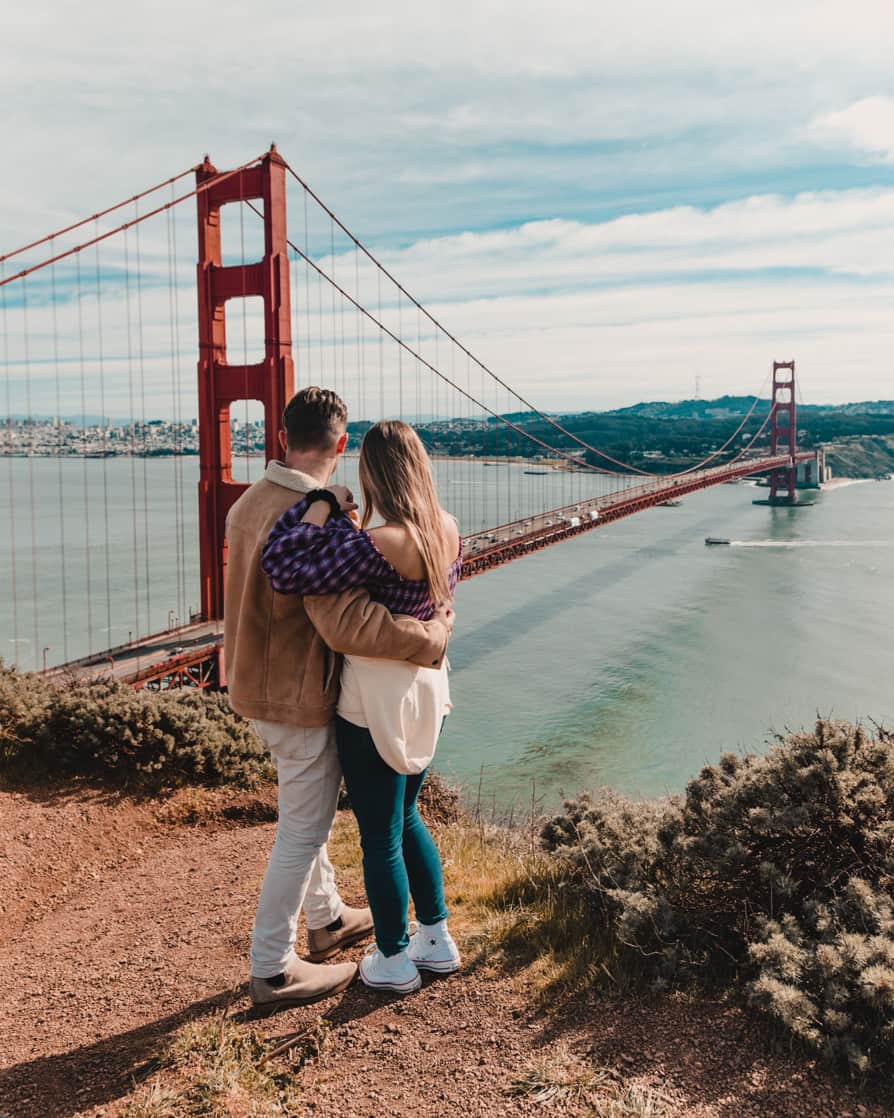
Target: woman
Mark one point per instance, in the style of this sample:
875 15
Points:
390 712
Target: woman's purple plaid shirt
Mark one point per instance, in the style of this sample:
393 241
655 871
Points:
306 559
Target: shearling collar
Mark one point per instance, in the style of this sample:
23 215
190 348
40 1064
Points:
280 474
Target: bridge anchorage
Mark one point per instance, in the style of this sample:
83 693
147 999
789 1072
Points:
327 311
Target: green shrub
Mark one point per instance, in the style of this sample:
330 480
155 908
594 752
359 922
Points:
111 731
776 870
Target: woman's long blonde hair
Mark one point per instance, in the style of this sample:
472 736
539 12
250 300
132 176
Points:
396 481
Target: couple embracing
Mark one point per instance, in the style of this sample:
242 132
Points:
335 644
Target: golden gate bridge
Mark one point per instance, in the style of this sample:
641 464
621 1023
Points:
101 314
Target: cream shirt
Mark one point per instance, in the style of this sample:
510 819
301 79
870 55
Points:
400 704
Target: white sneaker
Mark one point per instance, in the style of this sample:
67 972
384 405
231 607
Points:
389 972
433 948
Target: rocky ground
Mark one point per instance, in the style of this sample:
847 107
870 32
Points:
121 921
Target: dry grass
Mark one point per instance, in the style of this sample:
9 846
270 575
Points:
556 1077
216 1068
532 922
478 859
510 907
480 862
560 1078
632 1100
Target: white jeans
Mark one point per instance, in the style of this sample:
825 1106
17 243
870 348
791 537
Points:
299 871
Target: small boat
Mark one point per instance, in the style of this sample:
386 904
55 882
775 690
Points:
672 504
713 541
535 471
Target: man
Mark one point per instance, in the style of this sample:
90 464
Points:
283 674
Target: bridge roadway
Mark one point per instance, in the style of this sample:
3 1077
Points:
493 547
192 655
185 656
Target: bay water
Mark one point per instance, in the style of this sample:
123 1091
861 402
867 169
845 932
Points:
627 657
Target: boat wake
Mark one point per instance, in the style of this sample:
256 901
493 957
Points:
790 544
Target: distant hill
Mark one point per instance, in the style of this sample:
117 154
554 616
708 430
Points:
732 407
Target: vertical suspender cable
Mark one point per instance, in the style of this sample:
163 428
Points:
320 330
85 463
436 402
344 369
453 495
310 370
509 465
469 526
381 353
147 546
60 473
178 415
10 473
133 445
418 367
175 395
105 444
361 352
337 382
499 465
484 475
296 313
400 360
31 497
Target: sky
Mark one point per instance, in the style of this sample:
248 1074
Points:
605 201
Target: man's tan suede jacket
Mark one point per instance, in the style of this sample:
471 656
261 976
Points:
279 648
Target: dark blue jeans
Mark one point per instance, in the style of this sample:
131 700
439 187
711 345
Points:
399 855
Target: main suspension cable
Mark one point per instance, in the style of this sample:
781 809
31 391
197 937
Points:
222 177
439 326
626 468
95 217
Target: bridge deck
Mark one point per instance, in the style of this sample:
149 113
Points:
175 656
495 546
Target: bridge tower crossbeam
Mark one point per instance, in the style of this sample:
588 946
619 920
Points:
221 383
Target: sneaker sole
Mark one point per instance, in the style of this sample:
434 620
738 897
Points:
348 941
263 1009
438 968
394 987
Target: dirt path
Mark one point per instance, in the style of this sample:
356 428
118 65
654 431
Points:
118 926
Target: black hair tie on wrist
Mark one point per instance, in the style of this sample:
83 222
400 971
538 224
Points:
324 495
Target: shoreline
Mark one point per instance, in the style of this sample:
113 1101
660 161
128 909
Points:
550 468
844 482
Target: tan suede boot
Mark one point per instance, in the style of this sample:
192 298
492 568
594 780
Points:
304 984
356 924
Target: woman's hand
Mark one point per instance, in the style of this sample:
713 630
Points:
444 613
344 497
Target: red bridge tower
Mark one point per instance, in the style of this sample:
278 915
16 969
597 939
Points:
783 433
221 384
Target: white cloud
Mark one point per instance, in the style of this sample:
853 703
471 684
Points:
488 140
830 233
573 314
526 110
866 126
